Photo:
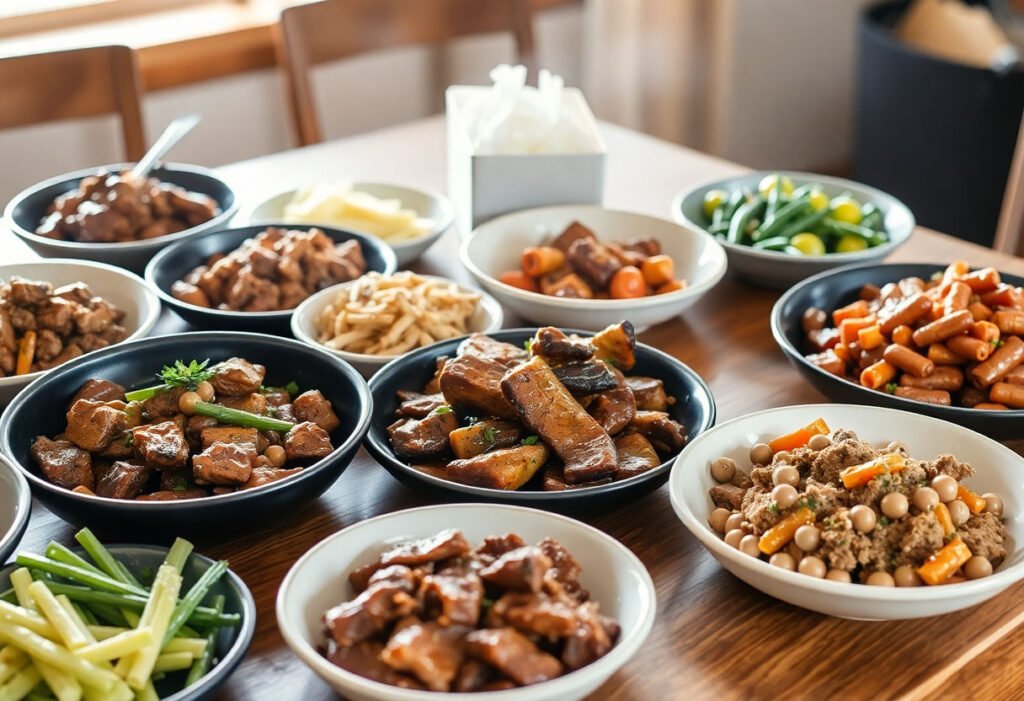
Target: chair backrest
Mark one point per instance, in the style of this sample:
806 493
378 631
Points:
1010 229
332 30
62 85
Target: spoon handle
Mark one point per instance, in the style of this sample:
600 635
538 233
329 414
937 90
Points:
174 132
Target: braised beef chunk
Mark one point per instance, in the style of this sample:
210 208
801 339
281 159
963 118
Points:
547 408
92 425
236 376
416 406
565 570
433 384
368 614
483 436
453 599
99 391
647 245
472 381
307 440
239 435
472 676
636 455
553 344
430 652
313 406
224 464
265 475
25 292
665 434
161 445
173 495
448 543
613 409
513 654
507 469
63 463
585 377
418 438
162 404
553 480
364 659
649 393
497 545
254 403
123 480
522 569
594 261
616 345
573 233
589 641
535 614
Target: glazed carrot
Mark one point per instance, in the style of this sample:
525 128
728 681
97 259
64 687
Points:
627 283
969 348
26 352
1005 393
984 280
848 328
985 331
975 503
991 406
939 354
854 310
670 286
798 438
979 311
956 269
517 278
776 537
943 564
878 374
843 351
541 260
1009 322
859 475
870 337
658 270
945 519
1002 296
903 335
957 298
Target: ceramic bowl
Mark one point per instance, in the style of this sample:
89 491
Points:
15 507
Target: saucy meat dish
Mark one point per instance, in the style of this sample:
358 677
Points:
557 415
439 615
273 271
118 207
575 264
203 431
827 504
42 326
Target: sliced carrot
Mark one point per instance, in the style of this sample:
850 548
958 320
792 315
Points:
670 286
798 438
903 335
944 518
843 351
627 283
849 328
985 331
975 502
776 537
859 475
878 375
541 260
979 311
658 270
944 564
517 278
854 310
870 337
26 352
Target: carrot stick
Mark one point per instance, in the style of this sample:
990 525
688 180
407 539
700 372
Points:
776 537
944 518
878 374
870 337
798 438
850 311
975 503
859 475
943 564
26 351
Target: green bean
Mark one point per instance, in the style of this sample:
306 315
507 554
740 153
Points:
738 224
871 217
773 244
9 596
110 614
104 560
842 228
56 551
237 417
730 206
191 600
773 227
77 574
203 616
802 224
773 199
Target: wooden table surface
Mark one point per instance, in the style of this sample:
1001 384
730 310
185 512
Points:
715 637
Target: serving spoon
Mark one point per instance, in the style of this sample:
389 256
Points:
174 133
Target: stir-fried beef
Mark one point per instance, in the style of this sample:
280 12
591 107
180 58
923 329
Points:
565 571
307 440
585 377
416 406
99 391
448 543
553 344
519 570
495 546
414 438
429 651
573 233
161 445
367 614
239 435
163 404
236 377
63 463
649 393
313 406
513 654
92 425
660 429
613 409
636 455
591 639
224 464
124 480
364 659
265 475
594 261
453 599
535 614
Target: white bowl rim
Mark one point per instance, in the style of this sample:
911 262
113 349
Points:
647 597
490 306
868 253
146 324
999 580
24 501
442 224
609 305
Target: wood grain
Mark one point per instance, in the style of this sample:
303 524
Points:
715 637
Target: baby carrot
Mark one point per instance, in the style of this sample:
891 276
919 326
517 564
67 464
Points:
943 564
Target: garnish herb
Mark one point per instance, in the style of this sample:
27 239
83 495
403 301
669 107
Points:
178 375
292 388
443 410
891 388
883 521
489 435
530 440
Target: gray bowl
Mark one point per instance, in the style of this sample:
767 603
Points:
15 507
779 270
232 643
28 208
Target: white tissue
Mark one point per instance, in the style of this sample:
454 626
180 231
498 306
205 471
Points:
515 118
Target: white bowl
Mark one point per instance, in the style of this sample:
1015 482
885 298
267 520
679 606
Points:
615 577
15 507
999 470
426 203
779 270
125 290
496 246
487 318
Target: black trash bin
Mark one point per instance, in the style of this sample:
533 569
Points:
936 134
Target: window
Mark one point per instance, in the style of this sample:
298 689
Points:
24 17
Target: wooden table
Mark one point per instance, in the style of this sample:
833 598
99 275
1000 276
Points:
715 637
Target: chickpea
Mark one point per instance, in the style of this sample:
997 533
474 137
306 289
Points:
734 521
187 403
993 504
897 447
838 576
785 495
205 391
748 546
761 454
783 456
812 566
819 442
716 520
794 552
880 579
786 474
925 498
723 469
734 537
277 457
945 486
863 518
958 512
895 505
807 538
906 576
977 567
783 560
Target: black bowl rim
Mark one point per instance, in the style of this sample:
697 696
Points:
235 654
363 398
384 454
72 246
385 251
923 269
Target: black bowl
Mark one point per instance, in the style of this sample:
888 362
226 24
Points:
39 410
836 288
694 408
232 643
28 208
175 262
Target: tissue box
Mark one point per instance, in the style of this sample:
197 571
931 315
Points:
483 186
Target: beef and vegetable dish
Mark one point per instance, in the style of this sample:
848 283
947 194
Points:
558 414
575 264
273 271
957 339
42 326
436 614
116 207
203 431
827 504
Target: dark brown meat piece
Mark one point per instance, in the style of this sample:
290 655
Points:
430 652
553 480
441 546
416 406
456 598
665 434
239 435
472 676
646 245
163 404
123 480
553 344
727 496
307 440
189 294
433 385
472 381
590 641
535 615
649 393
522 569
613 409
27 292
548 409
368 613
265 475
573 233
513 654
564 576
497 545
100 391
593 261
636 455
254 403
57 315
92 425
174 495
63 463
237 376
364 659
224 464
483 436
161 445
585 377
420 438
506 469
313 406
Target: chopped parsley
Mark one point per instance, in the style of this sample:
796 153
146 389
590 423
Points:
883 521
443 409
128 439
180 486
808 502
528 345
997 343
271 410
489 435
530 440
292 388
891 388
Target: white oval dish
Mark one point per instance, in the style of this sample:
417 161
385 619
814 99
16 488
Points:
999 470
617 580
15 507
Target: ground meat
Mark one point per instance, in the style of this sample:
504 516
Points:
948 465
760 509
727 496
985 535
904 481
840 543
762 478
822 498
884 551
742 479
923 538
828 463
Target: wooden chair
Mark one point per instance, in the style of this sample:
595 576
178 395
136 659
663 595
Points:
1010 229
323 32
73 84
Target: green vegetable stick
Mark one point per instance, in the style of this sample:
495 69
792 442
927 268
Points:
178 555
104 560
77 574
202 617
40 648
237 417
195 594
64 686
202 665
20 684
